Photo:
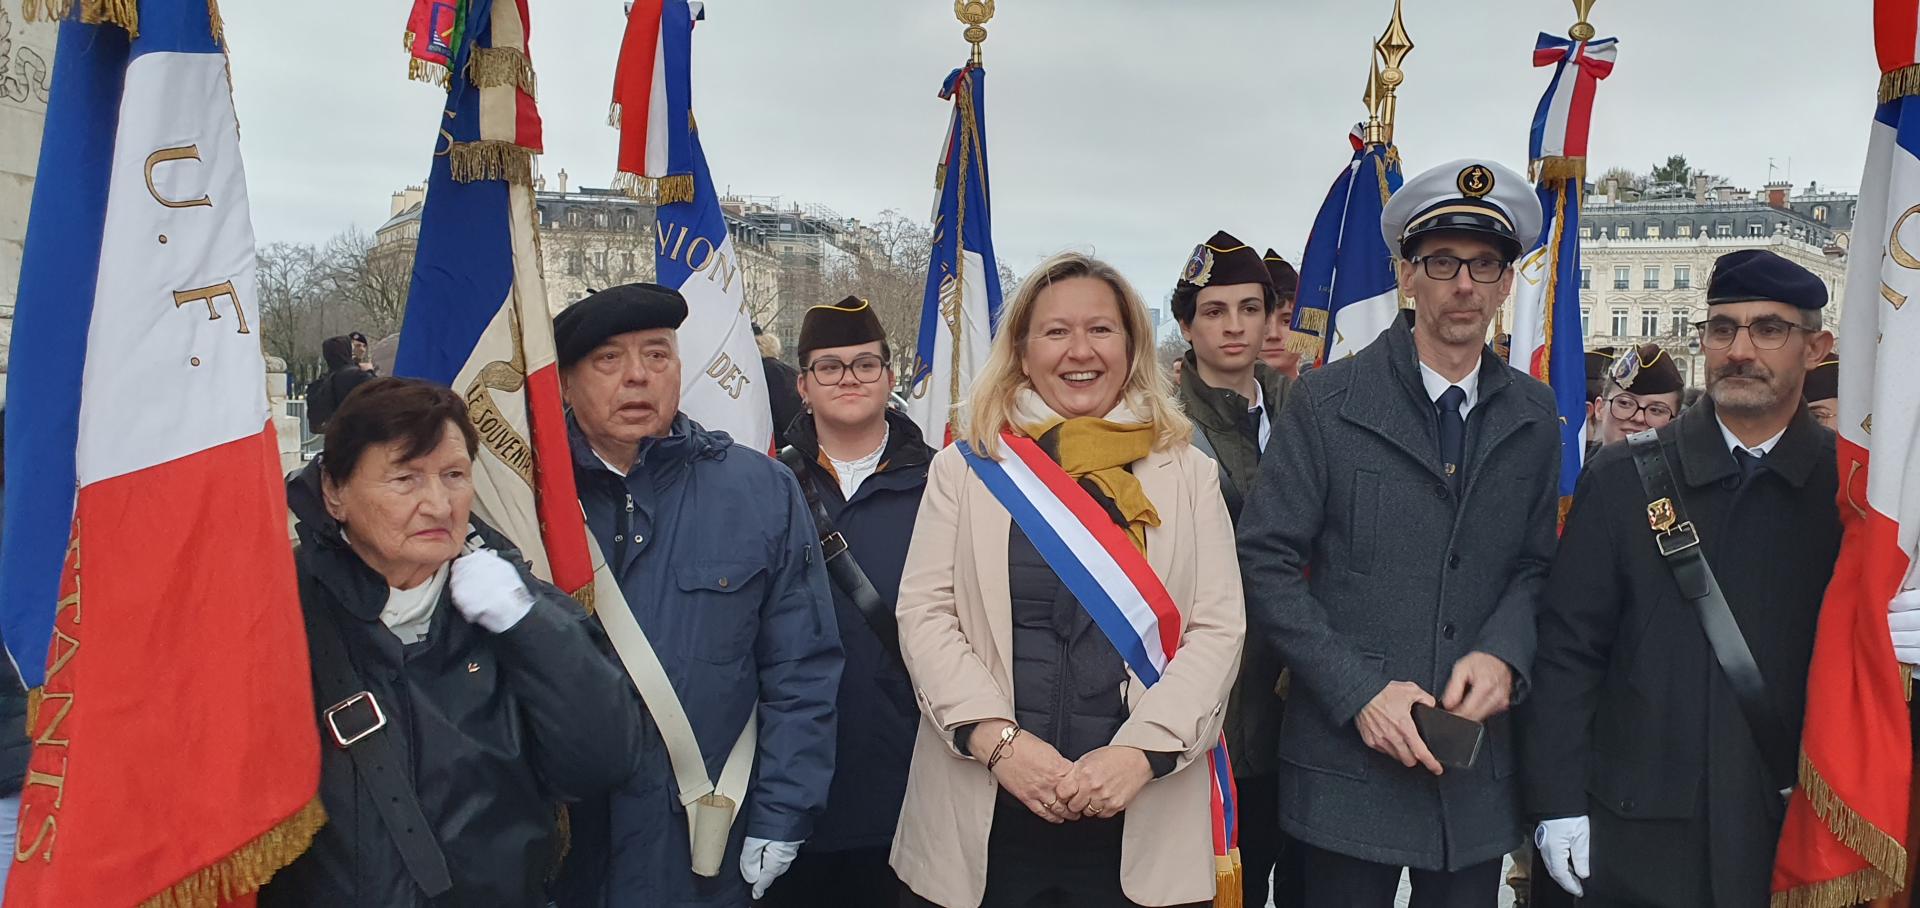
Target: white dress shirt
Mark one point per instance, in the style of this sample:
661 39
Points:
1436 384
1733 441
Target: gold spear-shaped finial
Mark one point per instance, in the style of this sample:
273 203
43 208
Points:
1392 50
975 14
1582 30
1375 132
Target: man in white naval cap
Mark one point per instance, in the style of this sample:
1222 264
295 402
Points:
1393 552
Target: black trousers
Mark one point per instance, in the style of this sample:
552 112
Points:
1034 864
1337 881
1269 859
859 878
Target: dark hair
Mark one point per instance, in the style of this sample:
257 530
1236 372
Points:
1186 301
408 410
337 351
886 355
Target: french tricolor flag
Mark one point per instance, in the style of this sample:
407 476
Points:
147 588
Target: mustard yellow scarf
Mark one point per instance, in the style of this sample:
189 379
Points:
1099 449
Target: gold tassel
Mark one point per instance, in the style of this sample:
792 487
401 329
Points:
1856 888
124 13
1226 880
668 190
494 67
1901 83
431 73
562 841
46 10
248 867
490 160
34 698
1559 169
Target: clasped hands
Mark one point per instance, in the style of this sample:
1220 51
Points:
1058 790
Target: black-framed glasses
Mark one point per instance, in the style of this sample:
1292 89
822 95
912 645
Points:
1765 333
1447 267
866 370
1625 407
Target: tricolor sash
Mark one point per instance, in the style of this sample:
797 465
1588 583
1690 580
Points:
1113 582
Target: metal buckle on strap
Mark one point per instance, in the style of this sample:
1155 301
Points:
355 731
833 545
1677 540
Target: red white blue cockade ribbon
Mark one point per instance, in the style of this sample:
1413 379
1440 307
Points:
1112 579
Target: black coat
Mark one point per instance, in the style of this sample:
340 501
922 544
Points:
1632 722
1363 567
783 397
500 729
878 716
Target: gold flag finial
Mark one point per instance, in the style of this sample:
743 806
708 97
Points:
1390 52
975 14
1582 30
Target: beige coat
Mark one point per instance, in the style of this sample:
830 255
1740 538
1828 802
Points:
956 634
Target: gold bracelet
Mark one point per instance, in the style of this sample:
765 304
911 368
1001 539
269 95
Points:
1004 747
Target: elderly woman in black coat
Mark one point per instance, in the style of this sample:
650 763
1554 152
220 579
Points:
460 699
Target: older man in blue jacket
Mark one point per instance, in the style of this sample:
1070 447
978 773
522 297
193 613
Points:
714 550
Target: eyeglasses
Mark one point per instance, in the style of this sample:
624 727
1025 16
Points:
1446 268
1625 407
866 370
1766 333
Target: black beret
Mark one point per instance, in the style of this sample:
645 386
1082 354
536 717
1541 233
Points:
1285 279
1646 369
616 310
843 324
1823 380
1758 274
1224 260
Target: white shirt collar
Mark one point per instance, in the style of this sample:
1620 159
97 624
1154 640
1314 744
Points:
1437 385
1266 423
1733 441
852 473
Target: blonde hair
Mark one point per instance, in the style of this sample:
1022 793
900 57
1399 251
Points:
768 344
989 404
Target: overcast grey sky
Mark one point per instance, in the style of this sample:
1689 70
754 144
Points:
1130 128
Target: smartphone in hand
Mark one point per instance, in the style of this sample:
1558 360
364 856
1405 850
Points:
1454 740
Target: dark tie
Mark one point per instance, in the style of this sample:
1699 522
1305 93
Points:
1750 465
1453 431
1250 426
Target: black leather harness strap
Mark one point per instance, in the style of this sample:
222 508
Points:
842 569
357 724
1679 543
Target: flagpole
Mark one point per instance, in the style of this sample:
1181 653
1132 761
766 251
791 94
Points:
974 14
1383 84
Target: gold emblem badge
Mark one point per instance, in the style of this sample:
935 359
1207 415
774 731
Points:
1476 181
1661 517
1627 368
1199 268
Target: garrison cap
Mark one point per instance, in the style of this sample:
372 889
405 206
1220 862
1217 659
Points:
1467 195
1597 361
843 324
1224 260
1823 380
614 311
1286 281
1760 274
1646 369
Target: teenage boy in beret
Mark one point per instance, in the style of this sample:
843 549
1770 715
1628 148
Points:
1224 301
715 553
1642 392
864 468
1656 782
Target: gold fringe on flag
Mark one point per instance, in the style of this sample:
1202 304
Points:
219 27
124 13
431 73
490 160
249 867
493 67
1901 83
1226 880
1559 169
613 114
671 189
1888 860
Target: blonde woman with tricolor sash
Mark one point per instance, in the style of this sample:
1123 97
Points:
1071 618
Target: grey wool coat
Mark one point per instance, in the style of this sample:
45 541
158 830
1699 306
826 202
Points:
1362 566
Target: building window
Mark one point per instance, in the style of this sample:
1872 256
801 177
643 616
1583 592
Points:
1619 323
1684 230
627 264
1622 276
1586 323
1623 231
1586 233
1649 322
1820 213
573 263
1683 277
1756 228
1723 230
1586 278
1678 327
1653 231
1651 280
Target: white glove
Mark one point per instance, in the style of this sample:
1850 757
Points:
762 862
488 592
1903 618
1563 848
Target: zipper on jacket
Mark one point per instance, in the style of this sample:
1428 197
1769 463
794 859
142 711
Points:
623 534
1060 697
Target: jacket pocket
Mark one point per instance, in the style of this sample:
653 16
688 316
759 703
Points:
721 608
1362 520
1311 739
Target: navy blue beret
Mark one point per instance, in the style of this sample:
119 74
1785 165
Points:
1757 274
616 310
